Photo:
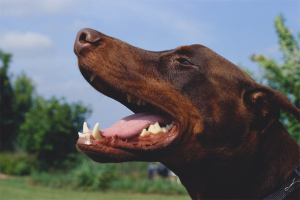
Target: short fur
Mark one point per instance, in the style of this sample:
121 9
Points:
228 142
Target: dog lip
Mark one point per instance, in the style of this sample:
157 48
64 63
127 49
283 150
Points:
116 143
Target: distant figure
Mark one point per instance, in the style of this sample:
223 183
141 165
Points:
163 171
151 170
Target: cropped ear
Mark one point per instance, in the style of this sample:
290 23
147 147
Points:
264 104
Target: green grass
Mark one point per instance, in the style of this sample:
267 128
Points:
16 188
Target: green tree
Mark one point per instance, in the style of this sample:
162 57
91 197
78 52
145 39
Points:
285 76
50 130
24 91
6 105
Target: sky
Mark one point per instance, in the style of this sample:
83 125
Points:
40 35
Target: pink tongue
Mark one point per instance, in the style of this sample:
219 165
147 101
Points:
133 125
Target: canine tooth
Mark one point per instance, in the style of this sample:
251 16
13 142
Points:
154 128
96 132
139 102
93 76
129 98
85 128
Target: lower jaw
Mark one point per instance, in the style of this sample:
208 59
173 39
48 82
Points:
139 143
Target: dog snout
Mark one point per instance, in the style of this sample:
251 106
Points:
86 37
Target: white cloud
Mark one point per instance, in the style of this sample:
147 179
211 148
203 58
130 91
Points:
24 8
26 44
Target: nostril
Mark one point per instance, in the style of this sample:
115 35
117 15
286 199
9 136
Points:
82 38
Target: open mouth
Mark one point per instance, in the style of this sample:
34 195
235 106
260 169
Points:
151 127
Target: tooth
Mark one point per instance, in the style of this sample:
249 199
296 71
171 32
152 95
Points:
144 132
88 136
96 132
169 126
85 128
154 128
93 76
150 128
129 98
139 102
134 99
164 129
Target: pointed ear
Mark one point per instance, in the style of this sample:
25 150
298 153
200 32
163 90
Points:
264 104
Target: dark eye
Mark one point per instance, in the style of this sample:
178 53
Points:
183 61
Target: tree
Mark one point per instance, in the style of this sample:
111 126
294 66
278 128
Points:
284 77
50 130
24 91
6 105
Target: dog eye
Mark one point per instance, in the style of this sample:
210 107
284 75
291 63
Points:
183 61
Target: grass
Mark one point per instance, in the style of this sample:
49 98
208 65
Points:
16 188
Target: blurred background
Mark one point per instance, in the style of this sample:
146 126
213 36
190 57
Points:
45 100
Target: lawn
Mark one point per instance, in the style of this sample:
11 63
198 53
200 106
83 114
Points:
16 188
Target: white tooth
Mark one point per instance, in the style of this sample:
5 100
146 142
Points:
85 128
96 132
154 128
144 132
150 128
87 136
93 76
129 98
139 102
164 129
168 127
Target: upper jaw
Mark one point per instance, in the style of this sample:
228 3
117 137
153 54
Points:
135 101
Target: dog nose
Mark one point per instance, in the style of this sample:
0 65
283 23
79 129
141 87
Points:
86 37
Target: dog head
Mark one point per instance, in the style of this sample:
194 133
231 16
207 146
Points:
216 107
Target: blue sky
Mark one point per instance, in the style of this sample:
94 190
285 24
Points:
40 34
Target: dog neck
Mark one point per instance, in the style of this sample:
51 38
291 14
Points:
257 167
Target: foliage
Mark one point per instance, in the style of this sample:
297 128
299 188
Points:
285 76
49 128
6 105
158 186
24 91
17 164
91 176
88 175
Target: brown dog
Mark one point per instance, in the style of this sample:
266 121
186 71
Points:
226 141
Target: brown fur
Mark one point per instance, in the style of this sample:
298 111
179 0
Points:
227 142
